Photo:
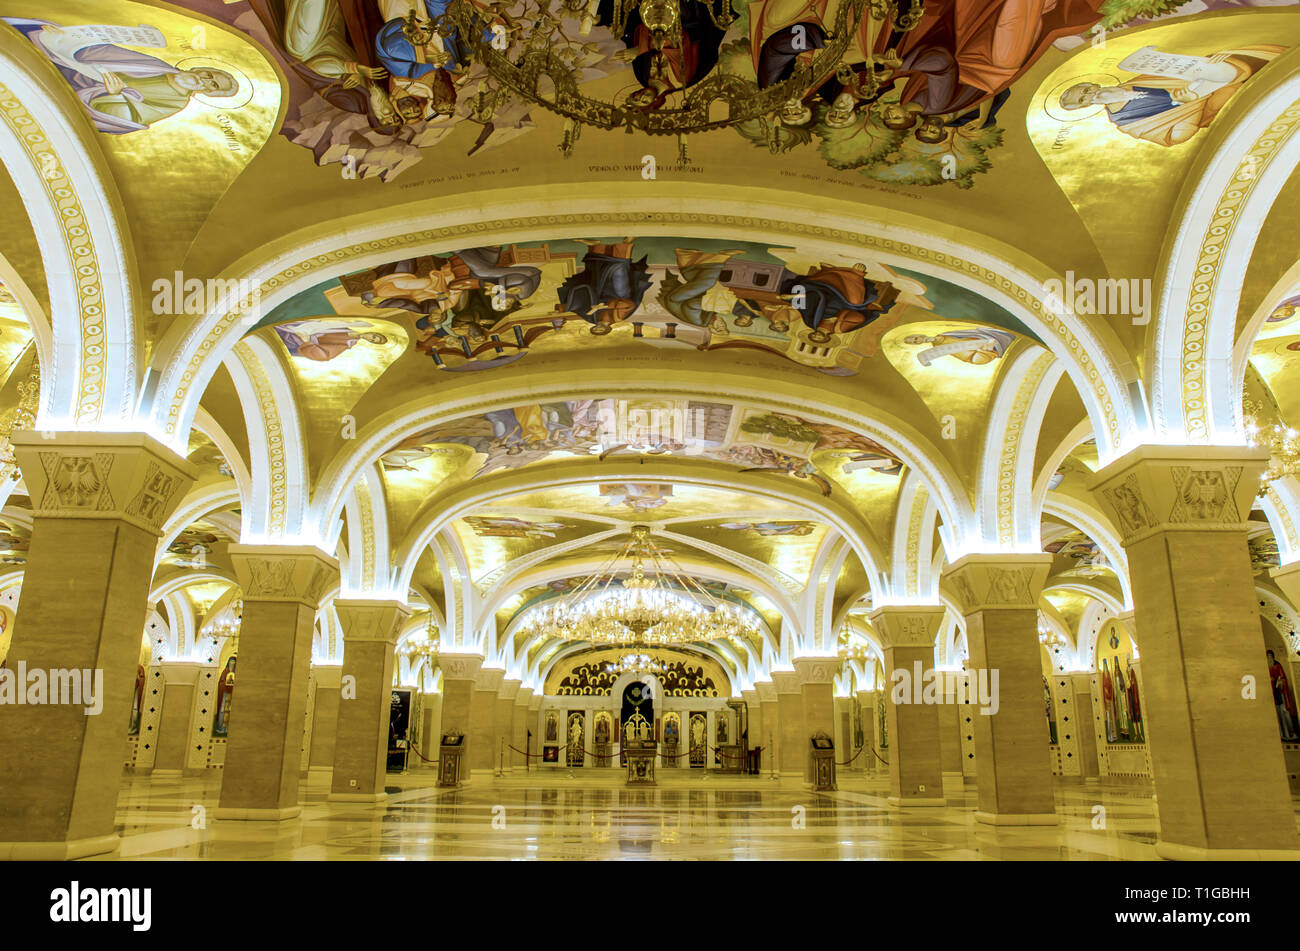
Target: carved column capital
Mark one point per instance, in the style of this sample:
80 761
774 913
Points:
328 676
185 672
371 620
1179 488
296 573
816 670
459 666
127 476
509 689
907 625
489 679
786 681
766 690
996 580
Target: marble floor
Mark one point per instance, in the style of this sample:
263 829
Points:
592 815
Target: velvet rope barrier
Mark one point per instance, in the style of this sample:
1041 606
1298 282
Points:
413 748
852 758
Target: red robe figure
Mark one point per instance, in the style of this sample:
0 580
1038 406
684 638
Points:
138 700
1282 699
225 690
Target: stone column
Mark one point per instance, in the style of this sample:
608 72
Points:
482 752
791 740
867 708
503 726
320 759
1081 720
431 729
283 588
755 717
998 594
522 724
950 716
99 501
458 714
534 716
1217 764
370 632
177 718
770 741
907 634
816 685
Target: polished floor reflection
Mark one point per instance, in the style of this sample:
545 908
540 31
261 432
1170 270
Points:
593 815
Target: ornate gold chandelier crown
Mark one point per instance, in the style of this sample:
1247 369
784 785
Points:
1282 441
533 57
662 606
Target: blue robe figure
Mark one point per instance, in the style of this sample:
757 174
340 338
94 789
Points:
399 55
1152 103
609 288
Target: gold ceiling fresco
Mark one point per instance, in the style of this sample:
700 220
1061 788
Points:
1057 135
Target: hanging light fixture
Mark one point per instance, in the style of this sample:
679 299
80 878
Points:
635 664
1047 635
21 416
1282 441
663 605
424 647
224 623
538 58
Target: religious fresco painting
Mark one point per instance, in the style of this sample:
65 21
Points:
193 547
479 308
574 751
15 542
754 440
137 701
1120 699
1050 710
324 340
1077 554
1128 116
1284 704
917 99
495 526
1263 552
768 529
225 696
155 83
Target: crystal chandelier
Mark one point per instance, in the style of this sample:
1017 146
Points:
663 606
1282 441
533 57
225 623
425 646
848 649
22 416
1047 635
635 664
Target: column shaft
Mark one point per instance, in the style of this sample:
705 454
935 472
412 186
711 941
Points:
370 631
282 587
1216 758
998 593
915 764
99 501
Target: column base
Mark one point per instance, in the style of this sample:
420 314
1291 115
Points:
60 850
357 797
1194 853
262 815
917 801
167 773
1018 819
